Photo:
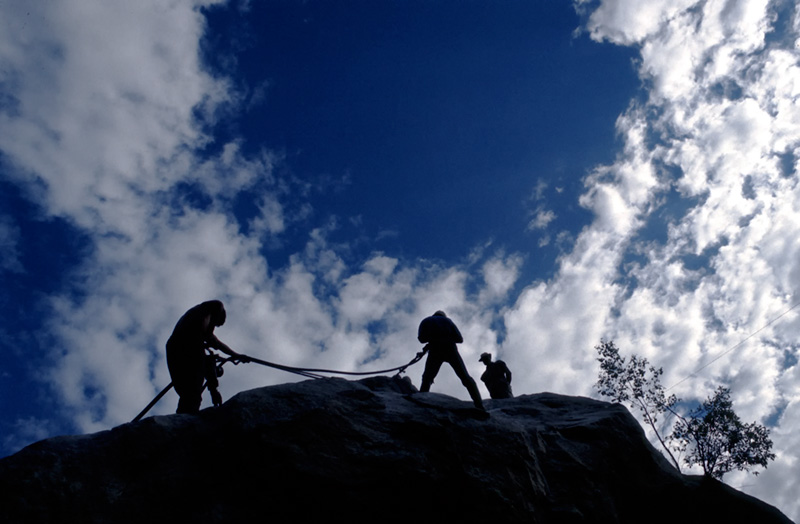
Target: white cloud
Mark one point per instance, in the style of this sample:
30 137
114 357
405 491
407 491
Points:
542 219
629 22
500 274
27 430
9 245
104 126
720 115
683 42
95 122
553 325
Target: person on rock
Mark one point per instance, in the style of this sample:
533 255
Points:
186 357
441 335
497 377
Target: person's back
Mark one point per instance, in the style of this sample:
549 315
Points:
439 331
191 328
496 372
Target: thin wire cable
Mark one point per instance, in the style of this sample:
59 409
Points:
751 335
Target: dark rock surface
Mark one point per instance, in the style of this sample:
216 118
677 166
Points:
367 451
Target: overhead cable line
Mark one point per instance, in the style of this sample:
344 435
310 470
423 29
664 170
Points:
751 335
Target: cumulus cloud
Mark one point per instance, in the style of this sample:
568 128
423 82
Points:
9 245
27 430
628 22
97 122
106 130
717 128
542 219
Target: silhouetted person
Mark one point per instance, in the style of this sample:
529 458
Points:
186 357
442 335
497 377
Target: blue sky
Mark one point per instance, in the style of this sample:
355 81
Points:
549 173
431 117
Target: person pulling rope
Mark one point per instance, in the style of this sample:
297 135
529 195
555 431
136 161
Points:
214 370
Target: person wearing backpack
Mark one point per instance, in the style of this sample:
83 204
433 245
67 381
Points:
441 335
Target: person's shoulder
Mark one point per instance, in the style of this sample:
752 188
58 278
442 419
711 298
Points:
194 311
436 320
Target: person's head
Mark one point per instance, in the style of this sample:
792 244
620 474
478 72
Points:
440 313
217 311
485 358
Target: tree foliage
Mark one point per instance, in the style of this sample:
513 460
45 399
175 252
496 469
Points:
715 437
718 440
637 383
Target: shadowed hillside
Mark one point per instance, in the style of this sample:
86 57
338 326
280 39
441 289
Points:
367 451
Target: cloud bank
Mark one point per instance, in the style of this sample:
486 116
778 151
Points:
712 155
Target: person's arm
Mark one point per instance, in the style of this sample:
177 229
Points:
422 333
216 343
457 338
212 341
425 349
508 373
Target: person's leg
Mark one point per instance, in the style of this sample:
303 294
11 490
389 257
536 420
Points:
432 366
187 377
190 400
457 362
500 390
212 382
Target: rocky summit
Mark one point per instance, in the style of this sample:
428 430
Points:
373 450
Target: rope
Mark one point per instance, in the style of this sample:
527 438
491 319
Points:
313 372
164 391
305 372
152 403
